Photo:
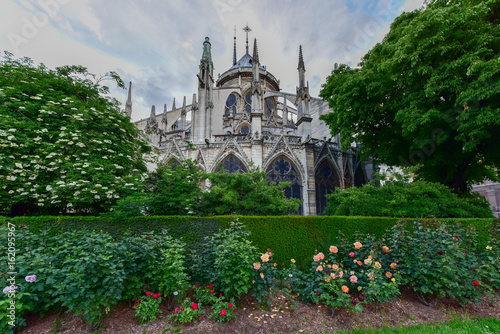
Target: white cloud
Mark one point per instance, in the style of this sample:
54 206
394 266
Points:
157 44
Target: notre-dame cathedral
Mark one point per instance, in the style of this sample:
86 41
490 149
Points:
242 118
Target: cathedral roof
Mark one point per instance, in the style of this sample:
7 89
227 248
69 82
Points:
245 61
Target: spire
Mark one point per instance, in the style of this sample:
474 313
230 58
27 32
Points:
255 52
301 69
128 104
247 30
164 116
173 105
153 113
207 52
234 52
194 104
301 60
184 104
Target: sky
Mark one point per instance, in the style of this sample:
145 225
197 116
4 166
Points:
157 44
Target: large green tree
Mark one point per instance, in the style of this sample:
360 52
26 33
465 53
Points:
64 146
245 194
428 94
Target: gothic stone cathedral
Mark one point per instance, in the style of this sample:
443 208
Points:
243 117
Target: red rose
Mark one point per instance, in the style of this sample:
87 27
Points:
223 313
148 293
182 308
446 230
351 254
135 304
440 252
220 295
176 310
196 285
476 283
159 294
155 296
138 301
194 306
211 286
230 305
463 251
211 291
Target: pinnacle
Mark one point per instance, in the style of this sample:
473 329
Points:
301 59
255 52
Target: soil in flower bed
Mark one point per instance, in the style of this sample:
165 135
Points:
280 317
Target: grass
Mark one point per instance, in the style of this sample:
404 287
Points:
457 326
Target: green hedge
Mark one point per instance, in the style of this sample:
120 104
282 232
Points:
288 236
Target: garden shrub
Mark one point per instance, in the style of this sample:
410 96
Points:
264 278
147 308
417 199
438 259
233 260
188 312
223 310
289 236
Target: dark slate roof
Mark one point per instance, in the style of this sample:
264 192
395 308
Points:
245 61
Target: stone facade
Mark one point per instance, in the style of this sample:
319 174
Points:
243 119
491 191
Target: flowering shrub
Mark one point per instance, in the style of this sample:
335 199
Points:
24 304
233 263
205 294
368 265
187 312
264 277
489 258
148 307
223 310
70 148
437 259
168 270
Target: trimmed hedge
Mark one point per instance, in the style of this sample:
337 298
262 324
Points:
287 236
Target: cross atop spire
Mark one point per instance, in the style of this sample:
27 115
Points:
247 29
234 53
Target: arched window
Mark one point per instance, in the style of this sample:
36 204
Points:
231 103
282 169
269 106
232 165
173 162
326 180
248 102
359 177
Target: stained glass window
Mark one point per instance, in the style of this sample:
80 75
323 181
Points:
269 106
282 170
231 105
248 102
326 180
232 165
359 177
244 130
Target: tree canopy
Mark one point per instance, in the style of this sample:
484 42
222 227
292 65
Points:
417 199
245 194
428 95
64 146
